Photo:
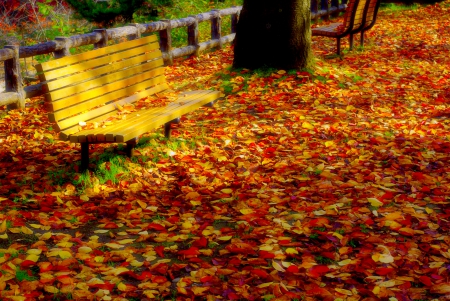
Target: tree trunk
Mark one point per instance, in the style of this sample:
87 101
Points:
274 34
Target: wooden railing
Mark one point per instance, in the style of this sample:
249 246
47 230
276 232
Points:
15 94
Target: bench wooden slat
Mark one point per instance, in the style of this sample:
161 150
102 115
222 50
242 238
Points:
93 69
75 59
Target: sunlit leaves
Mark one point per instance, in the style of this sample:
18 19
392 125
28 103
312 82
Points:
329 184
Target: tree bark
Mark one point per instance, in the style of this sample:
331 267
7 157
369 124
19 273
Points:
274 34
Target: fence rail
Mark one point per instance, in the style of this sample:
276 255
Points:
15 94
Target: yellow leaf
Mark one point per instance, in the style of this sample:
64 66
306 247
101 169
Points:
99 259
246 211
126 241
375 202
136 263
329 143
101 231
343 291
65 244
122 287
14 230
32 257
142 204
389 283
263 285
36 226
307 125
441 288
227 190
65 254
3 226
291 251
278 267
429 210
84 250
281 72
436 264
34 251
84 197
338 235
386 258
114 245
225 237
186 225
345 262
394 216
45 236
51 289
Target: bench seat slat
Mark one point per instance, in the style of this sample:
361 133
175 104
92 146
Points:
85 56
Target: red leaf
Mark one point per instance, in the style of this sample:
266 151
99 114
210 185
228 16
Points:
292 269
259 273
160 251
426 280
318 270
266 255
383 271
202 242
155 226
192 251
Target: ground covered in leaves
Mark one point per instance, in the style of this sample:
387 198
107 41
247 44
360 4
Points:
323 185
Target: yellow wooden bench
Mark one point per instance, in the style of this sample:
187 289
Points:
93 86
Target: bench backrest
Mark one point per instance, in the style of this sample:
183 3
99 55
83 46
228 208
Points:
88 86
354 16
371 13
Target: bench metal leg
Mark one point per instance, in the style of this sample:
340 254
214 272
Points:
362 39
84 156
351 41
210 104
130 146
168 128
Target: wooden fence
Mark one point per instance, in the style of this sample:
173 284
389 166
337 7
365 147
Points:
15 94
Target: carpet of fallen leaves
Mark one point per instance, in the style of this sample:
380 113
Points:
296 186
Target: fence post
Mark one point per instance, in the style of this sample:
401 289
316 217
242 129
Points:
192 31
13 77
165 40
314 8
234 21
335 3
138 31
216 27
325 6
104 41
66 49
